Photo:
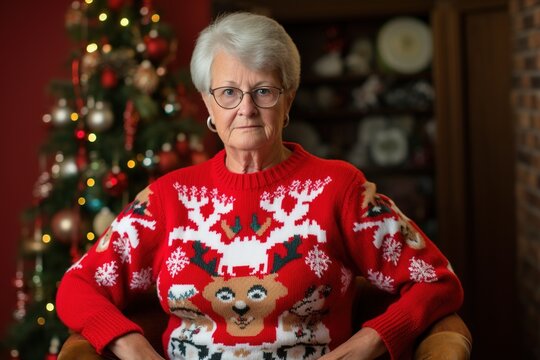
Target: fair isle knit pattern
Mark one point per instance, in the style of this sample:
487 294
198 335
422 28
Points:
260 266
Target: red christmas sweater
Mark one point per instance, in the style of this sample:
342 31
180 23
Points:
260 266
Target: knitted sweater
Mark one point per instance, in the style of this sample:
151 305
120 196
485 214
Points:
261 265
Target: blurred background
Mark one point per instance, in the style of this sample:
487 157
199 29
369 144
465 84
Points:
436 101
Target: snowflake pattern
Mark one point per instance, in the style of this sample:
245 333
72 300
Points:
177 261
122 247
158 280
421 271
346 278
391 250
77 264
318 261
381 281
141 279
106 275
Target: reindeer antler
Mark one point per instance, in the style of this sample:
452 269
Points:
210 266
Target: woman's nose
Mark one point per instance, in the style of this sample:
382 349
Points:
247 105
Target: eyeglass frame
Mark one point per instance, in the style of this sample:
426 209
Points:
250 92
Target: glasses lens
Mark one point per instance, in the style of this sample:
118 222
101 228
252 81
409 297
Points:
265 96
228 97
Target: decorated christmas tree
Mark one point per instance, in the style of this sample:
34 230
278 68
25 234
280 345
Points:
123 119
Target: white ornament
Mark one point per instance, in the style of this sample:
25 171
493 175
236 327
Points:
100 117
61 113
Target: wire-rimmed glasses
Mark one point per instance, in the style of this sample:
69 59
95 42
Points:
230 97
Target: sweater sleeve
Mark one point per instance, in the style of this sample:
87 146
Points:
121 263
395 255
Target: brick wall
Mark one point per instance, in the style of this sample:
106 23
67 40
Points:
526 104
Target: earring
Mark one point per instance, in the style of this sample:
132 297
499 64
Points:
286 122
211 125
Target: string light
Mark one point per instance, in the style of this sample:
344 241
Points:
46 238
106 48
131 164
155 18
90 48
41 320
102 17
49 307
90 182
124 21
90 236
88 1
74 116
92 137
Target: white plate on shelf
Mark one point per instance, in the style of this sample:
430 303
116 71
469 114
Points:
405 45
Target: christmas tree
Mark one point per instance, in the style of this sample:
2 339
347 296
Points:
123 119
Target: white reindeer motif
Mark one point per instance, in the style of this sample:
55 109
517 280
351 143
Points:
388 226
234 253
126 226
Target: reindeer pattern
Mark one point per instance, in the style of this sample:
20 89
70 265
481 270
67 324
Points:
244 267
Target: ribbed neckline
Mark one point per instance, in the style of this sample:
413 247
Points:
258 179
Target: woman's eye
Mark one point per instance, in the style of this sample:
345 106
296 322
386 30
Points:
262 91
228 92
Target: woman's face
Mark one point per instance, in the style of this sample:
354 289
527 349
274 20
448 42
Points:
246 127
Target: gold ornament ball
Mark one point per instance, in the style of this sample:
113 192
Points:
146 78
64 225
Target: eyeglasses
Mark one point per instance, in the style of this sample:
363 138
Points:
230 97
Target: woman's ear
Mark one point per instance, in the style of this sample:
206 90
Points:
207 99
290 98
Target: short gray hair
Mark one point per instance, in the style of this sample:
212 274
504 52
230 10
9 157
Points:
260 43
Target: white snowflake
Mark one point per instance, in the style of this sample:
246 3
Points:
381 281
421 271
77 265
318 261
391 250
177 261
122 247
346 278
106 275
141 279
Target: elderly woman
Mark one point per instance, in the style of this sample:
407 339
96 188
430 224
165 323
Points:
253 253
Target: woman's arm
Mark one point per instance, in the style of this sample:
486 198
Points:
366 344
133 346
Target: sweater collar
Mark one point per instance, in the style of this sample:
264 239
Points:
259 179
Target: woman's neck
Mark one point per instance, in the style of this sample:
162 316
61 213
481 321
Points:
250 161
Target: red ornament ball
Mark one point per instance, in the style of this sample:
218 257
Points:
109 79
157 48
168 160
115 183
115 5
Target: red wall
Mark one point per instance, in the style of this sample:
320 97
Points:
35 49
